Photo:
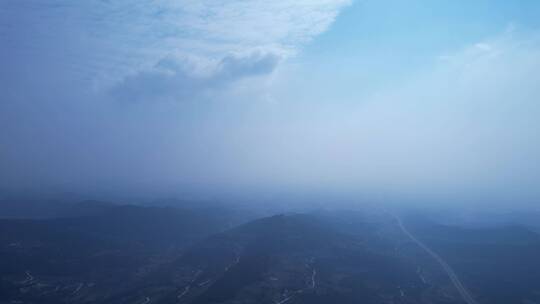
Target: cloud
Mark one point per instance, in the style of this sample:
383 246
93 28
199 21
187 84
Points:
62 61
467 126
186 80
102 42
464 128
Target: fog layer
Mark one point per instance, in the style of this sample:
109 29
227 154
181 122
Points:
169 102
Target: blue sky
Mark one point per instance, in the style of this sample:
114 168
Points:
382 41
427 98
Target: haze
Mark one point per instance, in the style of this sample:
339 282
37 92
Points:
415 99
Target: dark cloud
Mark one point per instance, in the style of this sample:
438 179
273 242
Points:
181 80
234 67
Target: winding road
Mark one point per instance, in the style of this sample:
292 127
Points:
312 285
78 288
29 278
449 271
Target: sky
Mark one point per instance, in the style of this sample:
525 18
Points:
431 99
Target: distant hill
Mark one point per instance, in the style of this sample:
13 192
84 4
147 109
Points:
501 264
43 209
298 258
98 243
111 254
